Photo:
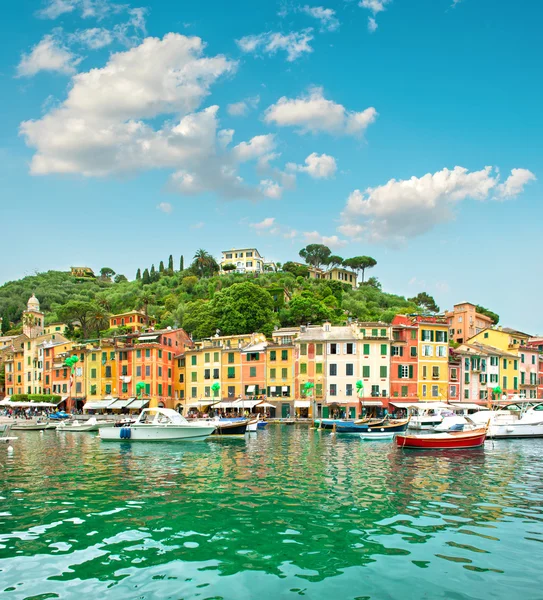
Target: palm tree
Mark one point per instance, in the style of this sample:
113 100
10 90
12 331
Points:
204 264
29 322
144 299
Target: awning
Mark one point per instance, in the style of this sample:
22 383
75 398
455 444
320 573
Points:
468 405
302 403
5 401
265 405
246 403
120 403
30 404
250 388
138 404
198 403
371 403
404 404
125 378
98 404
285 388
147 338
272 388
224 404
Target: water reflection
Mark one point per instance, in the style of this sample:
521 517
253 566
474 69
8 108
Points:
290 509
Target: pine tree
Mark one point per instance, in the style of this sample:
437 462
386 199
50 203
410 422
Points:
170 264
152 273
146 277
161 267
138 274
181 263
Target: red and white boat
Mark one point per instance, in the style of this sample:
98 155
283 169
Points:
443 441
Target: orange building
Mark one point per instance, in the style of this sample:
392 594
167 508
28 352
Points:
135 320
465 322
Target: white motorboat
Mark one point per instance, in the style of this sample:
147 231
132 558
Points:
91 425
156 425
518 420
428 415
461 418
29 426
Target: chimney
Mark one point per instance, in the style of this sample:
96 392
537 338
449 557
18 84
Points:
326 326
302 328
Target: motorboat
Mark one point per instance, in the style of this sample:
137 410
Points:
518 420
387 425
426 416
461 416
91 425
158 425
230 427
442 441
29 426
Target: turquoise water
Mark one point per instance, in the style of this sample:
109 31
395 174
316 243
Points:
284 513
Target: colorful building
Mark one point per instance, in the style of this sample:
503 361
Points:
374 350
246 260
281 377
310 363
465 322
134 319
404 359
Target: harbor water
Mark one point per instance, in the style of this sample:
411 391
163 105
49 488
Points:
285 512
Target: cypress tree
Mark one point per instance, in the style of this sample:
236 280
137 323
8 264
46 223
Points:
152 273
181 263
146 277
170 264
161 267
138 274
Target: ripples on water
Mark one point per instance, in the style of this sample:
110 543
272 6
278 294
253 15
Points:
286 512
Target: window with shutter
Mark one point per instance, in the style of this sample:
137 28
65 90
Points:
383 371
365 371
366 349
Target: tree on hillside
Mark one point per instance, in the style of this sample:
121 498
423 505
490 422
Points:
296 270
29 321
161 267
199 319
106 273
146 278
334 261
120 278
425 301
204 265
485 311
244 308
81 313
182 263
5 323
145 298
138 274
303 309
360 264
153 275
170 264
229 267
374 282
315 254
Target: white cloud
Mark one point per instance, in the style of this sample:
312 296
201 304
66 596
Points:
240 109
515 183
332 241
271 189
198 225
408 208
317 166
376 6
372 24
97 9
257 147
313 113
266 223
94 38
294 44
165 207
326 16
48 55
290 234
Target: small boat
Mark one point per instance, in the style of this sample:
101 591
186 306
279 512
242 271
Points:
227 427
391 426
158 425
5 437
29 426
91 425
377 435
442 441
262 424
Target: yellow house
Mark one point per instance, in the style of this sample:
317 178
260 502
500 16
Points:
202 368
56 328
511 342
433 353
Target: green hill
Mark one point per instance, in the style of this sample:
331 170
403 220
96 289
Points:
233 303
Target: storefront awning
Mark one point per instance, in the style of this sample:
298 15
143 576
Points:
246 404
302 403
265 405
285 388
250 389
147 338
138 404
98 404
120 403
273 388
371 403
199 403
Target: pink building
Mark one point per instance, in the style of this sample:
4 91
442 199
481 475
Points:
529 359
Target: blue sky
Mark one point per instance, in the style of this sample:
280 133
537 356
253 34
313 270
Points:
409 131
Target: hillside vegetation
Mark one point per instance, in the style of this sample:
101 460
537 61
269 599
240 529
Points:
199 300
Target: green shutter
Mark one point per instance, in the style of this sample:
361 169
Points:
273 355
231 372
366 349
272 373
303 368
318 368
410 371
383 349
284 373
383 371
365 371
230 357
399 371
515 383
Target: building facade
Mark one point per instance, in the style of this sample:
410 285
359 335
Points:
465 322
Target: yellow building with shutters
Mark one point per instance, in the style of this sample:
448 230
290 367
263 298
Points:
511 342
433 358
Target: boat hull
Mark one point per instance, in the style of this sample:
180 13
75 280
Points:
29 427
231 428
151 433
369 428
445 441
378 435
515 430
84 428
